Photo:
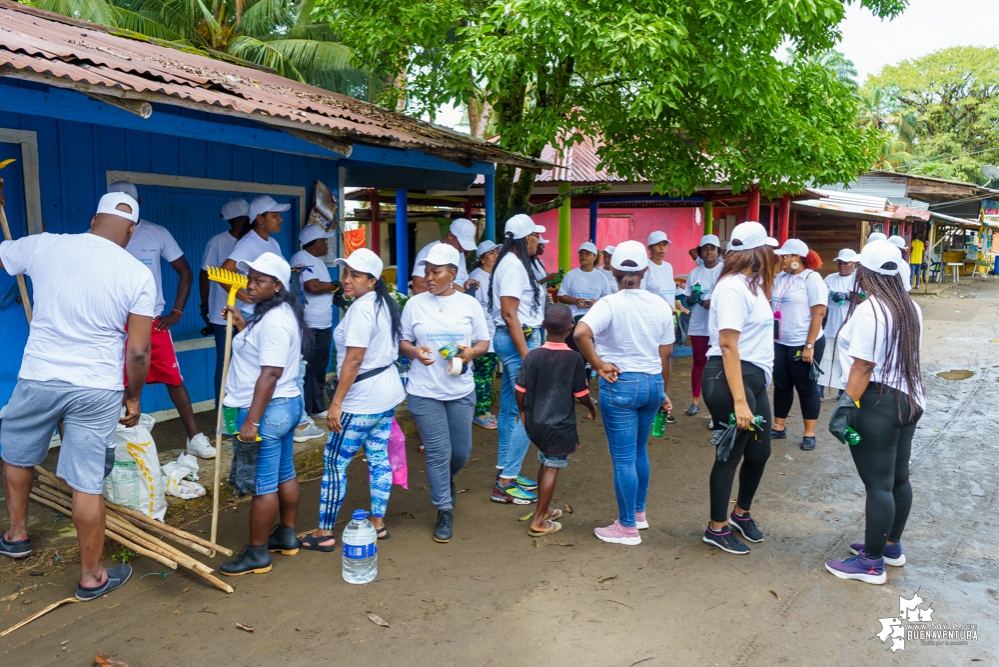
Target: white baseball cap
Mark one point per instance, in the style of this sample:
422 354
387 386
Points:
464 230
876 236
709 239
793 247
365 261
269 264
484 247
522 225
440 254
750 235
125 186
846 255
610 249
542 241
898 241
587 246
878 253
312 233
266 204
658 237
235 208
111 200
630 250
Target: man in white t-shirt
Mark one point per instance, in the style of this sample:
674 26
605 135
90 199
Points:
90 297
661 271
213 295
318 288
149 244
461 236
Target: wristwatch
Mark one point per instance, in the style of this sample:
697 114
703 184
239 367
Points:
809 346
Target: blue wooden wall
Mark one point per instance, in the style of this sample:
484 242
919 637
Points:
73 160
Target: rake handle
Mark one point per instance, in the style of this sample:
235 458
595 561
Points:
218 422
21 285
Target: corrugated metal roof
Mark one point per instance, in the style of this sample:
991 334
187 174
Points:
860 205
82 56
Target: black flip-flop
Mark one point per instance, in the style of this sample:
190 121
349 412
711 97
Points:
117 576
379 531
313 543
18 549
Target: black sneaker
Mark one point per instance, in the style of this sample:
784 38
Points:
117 576
746 526
670 419
284 540
778 435
18 549
251 560
442 532
726 541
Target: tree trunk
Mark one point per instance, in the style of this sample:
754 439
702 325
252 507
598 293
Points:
479 113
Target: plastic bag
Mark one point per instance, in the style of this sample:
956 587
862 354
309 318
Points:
176 474
136 481
397 456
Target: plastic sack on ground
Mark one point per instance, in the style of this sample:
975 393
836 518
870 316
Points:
397 456
176 474
136 480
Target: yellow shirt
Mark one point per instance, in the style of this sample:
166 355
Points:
916 252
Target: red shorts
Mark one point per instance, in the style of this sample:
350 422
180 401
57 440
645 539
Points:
163 366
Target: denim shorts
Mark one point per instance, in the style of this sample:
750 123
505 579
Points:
553 461
276 459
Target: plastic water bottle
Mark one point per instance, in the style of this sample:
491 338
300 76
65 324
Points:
659 423
851 436
360 550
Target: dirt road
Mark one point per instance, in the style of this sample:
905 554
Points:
494 596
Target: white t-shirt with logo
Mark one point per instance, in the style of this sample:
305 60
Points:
628 328
734 306
510 279
793 296
836 312
706 278
85 287
148 244
865 336
662 275
249 248
583 285
460 278
318 307
462 323
273 341
216 253
367 324
482 296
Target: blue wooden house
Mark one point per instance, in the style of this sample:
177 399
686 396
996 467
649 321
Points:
82 105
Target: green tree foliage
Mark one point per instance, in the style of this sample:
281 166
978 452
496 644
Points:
279 34
953 95
685 92
881 111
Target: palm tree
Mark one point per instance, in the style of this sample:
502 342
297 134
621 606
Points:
279 34
892 154
880 109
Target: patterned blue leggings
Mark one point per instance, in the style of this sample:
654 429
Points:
371 432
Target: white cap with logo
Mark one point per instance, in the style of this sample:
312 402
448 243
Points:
363 260
749 235
610 249
709 239
125 186
658 237
878 253
109 203
522 225
266 204
235 208
269 264
464 230
439 255
898 241
484 247
588 247
846 255
793 247
312 233
630 250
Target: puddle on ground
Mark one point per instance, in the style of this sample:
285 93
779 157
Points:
955 374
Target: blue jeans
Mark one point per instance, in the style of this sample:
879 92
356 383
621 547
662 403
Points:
513 440
628 407
276 459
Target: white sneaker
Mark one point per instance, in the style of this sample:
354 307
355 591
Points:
320 415
308 431
201 447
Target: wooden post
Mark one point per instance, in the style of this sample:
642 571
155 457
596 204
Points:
753 205
376 223
402 241
565 228
709 217
784 218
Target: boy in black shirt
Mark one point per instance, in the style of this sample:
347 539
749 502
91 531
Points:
548 383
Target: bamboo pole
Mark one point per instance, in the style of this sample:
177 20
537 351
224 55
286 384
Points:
38 615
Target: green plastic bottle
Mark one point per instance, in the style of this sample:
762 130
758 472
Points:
757 420
851 436
659 423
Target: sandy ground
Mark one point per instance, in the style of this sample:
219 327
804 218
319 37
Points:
494 596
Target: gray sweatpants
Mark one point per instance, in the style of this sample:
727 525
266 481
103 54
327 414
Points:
446 429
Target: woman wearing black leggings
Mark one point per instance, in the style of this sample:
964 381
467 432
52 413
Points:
883 401
799 301
738 369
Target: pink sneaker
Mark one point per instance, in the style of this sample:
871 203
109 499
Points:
641 522
618 534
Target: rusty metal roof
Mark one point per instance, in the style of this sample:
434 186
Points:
82 56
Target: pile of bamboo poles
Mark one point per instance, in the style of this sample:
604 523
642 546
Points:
133 530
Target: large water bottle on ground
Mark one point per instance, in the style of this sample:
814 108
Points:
360 550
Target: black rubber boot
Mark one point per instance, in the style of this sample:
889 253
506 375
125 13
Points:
283 540
251 560
442 533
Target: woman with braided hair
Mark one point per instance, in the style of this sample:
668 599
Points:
517 305
883 401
